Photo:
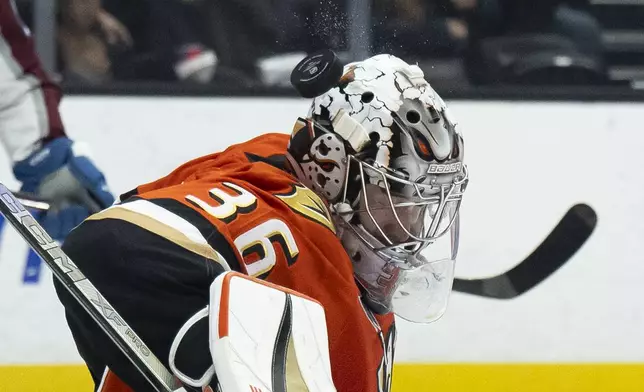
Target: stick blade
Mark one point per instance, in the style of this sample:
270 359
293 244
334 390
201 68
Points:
562 243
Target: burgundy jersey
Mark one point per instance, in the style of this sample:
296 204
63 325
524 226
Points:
28 98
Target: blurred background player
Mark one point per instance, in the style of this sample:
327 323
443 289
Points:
45 160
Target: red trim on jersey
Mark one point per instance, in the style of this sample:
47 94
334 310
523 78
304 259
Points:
112 383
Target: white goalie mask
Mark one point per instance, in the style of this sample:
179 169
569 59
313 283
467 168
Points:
383 150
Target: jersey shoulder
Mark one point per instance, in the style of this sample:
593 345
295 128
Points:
246 196
269 149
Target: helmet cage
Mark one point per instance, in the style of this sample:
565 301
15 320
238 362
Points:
439 204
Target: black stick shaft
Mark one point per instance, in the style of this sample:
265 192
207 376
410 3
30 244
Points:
559 246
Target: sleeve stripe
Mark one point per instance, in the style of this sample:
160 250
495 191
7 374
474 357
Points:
164 223
208 230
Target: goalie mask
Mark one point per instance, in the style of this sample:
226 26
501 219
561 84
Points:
381 148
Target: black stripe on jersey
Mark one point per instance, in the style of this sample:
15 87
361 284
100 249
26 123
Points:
277 160
128 195
209 231
281 346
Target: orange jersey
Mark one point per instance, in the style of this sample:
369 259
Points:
283 233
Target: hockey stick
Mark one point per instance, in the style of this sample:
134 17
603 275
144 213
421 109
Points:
561 244
86 294
30 201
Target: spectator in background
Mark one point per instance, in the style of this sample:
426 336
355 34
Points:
85 32
242 31
568 18
522 28
133 40
434 28
167 44
310 25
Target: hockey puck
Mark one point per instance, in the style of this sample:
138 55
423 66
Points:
317 73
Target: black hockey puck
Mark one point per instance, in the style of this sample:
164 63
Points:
317 73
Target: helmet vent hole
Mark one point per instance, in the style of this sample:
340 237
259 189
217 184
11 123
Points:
413 117
455 150
367 97
375 137
435 116
324 149
321 180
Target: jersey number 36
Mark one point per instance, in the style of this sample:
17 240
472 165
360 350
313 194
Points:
256 245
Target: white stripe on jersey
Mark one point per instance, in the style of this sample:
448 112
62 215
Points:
163 220
166 217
